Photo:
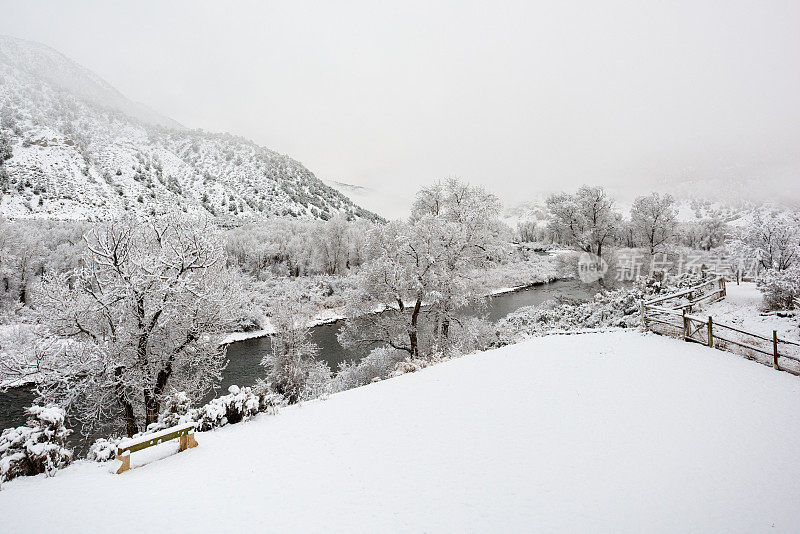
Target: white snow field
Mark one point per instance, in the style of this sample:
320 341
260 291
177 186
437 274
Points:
611 432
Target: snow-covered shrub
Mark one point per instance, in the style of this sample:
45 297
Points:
376 365
318 380
781 288
618 308
268 401
103 449
178 410
660 283
412 365
37 447
472 334
240 404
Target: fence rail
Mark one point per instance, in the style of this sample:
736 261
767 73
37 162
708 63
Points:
675 312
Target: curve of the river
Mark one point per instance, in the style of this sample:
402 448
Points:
244 357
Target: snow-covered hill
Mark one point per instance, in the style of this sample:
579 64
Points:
610 432
80 150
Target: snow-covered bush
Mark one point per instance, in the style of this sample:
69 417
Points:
781 288
376 365
616 309
411 365
238 405
661 283
178 410
37 447
471 334
610 309
103 449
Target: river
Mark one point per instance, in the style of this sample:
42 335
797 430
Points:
244 357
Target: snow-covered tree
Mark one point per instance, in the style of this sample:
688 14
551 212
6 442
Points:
773 239
292 368
140 318
704 234
38 447
781 288
654 220
586 220
5 149
428 261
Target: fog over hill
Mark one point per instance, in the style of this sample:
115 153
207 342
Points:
73 147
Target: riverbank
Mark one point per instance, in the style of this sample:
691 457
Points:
334 316
611 432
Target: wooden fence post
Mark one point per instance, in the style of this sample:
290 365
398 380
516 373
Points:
710 334
644 314
685 326
775 350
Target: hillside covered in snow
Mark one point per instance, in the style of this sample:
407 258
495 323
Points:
606 432
72 147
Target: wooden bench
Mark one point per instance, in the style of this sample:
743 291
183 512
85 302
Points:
128 446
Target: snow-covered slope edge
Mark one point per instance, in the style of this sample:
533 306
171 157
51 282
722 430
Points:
72 147
612 432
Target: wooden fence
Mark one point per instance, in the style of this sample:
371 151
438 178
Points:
672 315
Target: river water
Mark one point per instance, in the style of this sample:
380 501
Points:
244 357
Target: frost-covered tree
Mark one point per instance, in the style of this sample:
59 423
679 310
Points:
5 154
292 368
528 231
141 317
428 261
5 149
773 239
654 220
704 234
332 245
586 220
29 249
287 247
781 288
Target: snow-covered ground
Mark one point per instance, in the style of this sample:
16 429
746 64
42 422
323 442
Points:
741 307
612 432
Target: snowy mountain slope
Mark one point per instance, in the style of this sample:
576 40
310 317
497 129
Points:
40 62
80 150
612 432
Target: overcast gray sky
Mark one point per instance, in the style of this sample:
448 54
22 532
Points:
525 97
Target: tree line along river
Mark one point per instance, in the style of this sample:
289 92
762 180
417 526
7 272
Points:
244 365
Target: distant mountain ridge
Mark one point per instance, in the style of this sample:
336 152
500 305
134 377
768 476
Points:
73 147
